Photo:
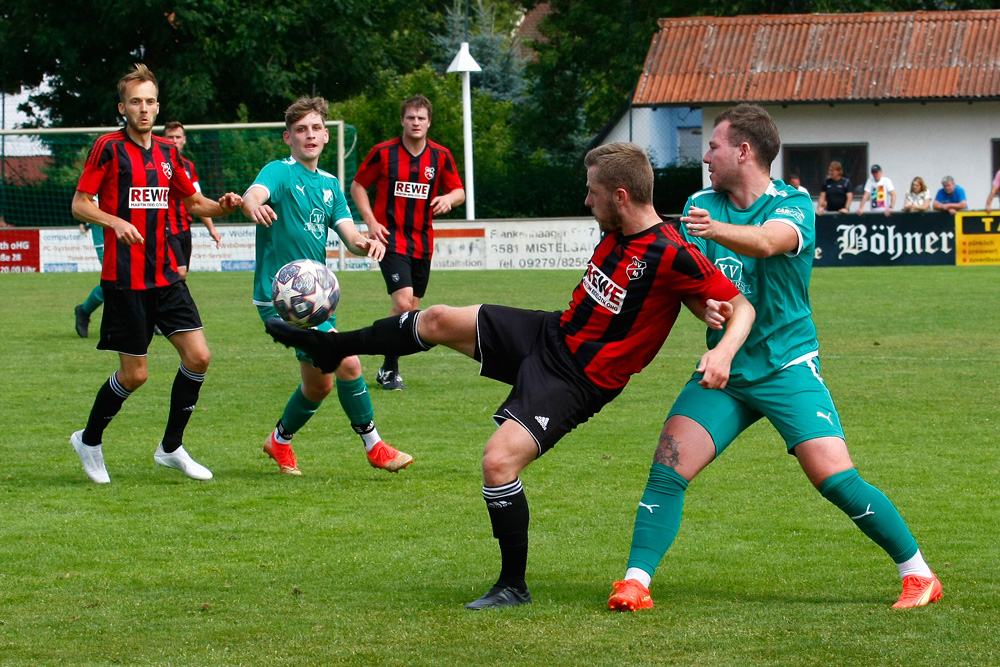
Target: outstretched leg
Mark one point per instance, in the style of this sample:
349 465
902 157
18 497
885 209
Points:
409 333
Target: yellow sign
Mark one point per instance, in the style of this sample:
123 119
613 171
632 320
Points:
977 239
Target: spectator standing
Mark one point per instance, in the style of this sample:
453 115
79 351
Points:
918 198
951 197
879 190
836 195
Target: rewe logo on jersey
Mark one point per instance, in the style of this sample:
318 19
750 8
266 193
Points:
603 290
148 197
732 268
412 190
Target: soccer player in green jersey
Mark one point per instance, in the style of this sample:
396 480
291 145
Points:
761 233
94 300
294 203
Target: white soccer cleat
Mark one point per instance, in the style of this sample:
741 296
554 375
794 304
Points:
92 459
181 460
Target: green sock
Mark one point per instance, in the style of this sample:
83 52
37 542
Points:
872 512
94 300
658 518
298 411
354 398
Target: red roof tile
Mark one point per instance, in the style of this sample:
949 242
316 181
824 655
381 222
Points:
794 58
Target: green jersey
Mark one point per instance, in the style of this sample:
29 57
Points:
778 286
307 204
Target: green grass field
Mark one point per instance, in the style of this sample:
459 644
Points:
351 565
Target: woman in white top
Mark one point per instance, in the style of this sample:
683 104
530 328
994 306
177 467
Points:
919 197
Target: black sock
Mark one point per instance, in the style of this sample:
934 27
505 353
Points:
110 398
392 336
183 397
508 508
390 364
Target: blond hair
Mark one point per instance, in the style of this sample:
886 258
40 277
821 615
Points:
623 165
139 74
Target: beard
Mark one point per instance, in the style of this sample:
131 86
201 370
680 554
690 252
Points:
612 222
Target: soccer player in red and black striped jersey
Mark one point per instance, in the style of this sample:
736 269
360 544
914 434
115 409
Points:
564 367
180 217
415 179
134 176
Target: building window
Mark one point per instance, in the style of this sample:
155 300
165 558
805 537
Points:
689 146
996 155
811 164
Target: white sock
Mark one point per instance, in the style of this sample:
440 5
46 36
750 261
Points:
278 439
639 575
371 438
916 565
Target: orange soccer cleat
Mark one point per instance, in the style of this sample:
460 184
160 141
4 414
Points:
283 455
629 595
388 457
918 591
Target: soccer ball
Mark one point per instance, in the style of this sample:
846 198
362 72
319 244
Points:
305 293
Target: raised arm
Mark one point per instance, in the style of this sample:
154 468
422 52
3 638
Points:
200 205
771 238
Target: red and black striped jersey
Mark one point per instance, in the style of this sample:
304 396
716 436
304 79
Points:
405 186
179 218
629 297
136 184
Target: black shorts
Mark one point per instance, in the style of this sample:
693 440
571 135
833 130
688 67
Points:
129 316
180 244
551 395
401 271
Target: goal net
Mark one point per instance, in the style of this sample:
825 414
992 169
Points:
39 168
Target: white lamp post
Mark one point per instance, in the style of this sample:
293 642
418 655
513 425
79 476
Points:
465 63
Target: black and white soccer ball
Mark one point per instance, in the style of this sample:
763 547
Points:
305 293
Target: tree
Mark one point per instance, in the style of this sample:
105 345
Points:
492 42
210 56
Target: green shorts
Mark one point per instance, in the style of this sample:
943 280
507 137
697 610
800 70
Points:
267 312
795 400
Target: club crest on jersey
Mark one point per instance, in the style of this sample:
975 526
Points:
327 196
148 197
732 268
635 269
412 190
167 171
429 173
603 290
315 225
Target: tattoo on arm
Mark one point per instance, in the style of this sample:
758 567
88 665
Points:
667 451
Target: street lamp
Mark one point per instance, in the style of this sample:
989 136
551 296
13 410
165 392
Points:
465 63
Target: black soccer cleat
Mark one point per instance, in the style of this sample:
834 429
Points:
317 344
82 322
502 595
